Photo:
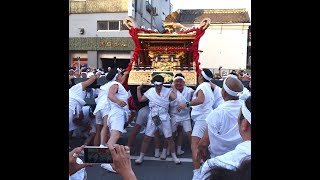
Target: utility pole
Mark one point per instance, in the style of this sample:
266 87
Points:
79 65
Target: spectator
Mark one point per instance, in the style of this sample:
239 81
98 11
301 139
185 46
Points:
232 159
76 166
121 160
243 172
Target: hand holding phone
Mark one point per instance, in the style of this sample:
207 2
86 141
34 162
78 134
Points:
121 161
73 165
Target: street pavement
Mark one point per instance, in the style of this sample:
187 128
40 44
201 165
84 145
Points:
151 168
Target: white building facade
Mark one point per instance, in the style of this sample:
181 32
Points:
225 42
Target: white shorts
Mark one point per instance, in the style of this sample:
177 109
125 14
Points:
142 117
165 127
104 112
185 124
199 128
98 117
116 122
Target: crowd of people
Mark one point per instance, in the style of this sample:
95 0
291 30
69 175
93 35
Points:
216 120
241 74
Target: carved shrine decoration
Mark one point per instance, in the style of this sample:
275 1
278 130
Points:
174 51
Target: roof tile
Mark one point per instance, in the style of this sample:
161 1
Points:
224 16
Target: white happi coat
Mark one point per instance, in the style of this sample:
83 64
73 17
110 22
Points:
218 99
229 160
102 99
123 95
159 105
182 97
76 98
223 128
201 111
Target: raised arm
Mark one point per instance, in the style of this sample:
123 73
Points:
173 94
90 80
124 77
139 96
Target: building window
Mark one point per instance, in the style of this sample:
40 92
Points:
108 25
114 25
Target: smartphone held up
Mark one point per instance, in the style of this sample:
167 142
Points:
96 154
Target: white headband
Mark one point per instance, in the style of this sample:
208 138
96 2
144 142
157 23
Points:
246 113
102 72
232 75
84 72
205 76
229 91
157 83
179 77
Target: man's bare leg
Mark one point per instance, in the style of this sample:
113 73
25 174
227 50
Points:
97 137
157 144
194 148
133 135
104 131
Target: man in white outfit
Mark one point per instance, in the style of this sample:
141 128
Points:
222 134
76 100
101 115
201 104
159 98
180 118
232 159
119 110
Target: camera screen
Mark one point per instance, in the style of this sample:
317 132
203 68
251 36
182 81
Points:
97 155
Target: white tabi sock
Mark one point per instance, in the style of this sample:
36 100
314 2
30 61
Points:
175 159
157 153
163 154
178 148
